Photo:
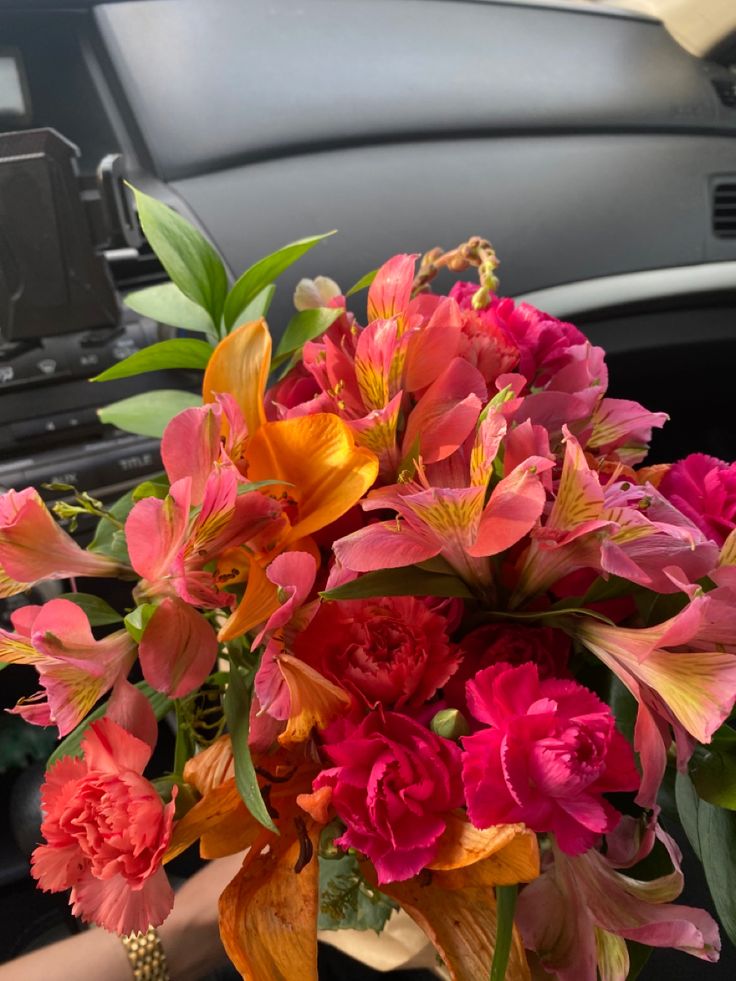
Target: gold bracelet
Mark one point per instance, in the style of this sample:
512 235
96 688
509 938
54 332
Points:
146 956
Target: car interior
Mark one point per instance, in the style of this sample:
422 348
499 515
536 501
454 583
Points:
593 148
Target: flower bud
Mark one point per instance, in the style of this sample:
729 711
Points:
450 724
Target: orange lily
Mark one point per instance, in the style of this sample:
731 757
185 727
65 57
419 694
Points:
324 472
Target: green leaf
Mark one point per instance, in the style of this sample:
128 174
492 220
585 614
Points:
237 701
137 620
149 413
72 745
258 306
711 831
363 283
717 834
304 326
166 304
262 273
624 707
156 487
688 805
505 908
186 255
22 743
347 901
179 352
108 538
99 613
713 769
406 581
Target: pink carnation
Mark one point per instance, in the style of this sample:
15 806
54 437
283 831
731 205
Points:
392 650
704 489
394 784
542 341
106 830
550 753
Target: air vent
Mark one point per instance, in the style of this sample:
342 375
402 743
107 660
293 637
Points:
726 89
724 208
132 269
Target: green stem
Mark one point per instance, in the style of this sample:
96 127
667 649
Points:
505 908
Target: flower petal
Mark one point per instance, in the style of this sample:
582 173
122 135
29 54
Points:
239 366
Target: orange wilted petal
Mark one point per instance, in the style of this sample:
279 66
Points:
203 817
317 455
461 924
239 366
512 847
315 701
212 767
268 913
317 804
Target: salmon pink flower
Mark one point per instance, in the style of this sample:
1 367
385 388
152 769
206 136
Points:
578 914
704 489
394 784
686 691
106 832
392 650
75 670
549 754
172 548
34 547
456 522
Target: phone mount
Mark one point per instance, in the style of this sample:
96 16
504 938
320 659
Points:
54 278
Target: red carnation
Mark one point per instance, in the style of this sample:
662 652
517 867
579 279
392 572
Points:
393 650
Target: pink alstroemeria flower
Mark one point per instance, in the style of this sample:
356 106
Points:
170 546
174 549
75 670
34 547
452 521
406 363
621 529
578 914
106 832
689 691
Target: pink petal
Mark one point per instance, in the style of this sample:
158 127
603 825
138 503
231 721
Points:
390 291
57 868
447 412
190 446
178 649
514 507
130 708
108 747
155 530
385 545
113 905
294 574
433 346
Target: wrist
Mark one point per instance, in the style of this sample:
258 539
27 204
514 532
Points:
193 949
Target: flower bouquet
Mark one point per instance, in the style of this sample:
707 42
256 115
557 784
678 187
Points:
432 635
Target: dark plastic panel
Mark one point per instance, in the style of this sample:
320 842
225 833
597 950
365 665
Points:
558 208
221 82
